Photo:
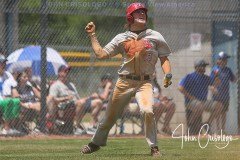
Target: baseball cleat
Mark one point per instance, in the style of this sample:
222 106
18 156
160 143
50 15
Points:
90 148
155 152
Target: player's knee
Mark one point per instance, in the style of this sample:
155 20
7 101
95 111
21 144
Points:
105 125
107 122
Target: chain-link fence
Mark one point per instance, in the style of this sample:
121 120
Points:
193 29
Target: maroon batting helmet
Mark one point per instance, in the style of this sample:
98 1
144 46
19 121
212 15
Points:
133 7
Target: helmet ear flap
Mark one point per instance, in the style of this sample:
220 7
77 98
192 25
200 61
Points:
130 18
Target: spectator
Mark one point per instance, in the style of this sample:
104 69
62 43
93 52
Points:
105 88
194 87
93 105
11 82
33 81
7 113
97 101
163 104
63 91
221 93
3 74
30 105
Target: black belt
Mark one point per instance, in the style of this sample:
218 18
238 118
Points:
134 77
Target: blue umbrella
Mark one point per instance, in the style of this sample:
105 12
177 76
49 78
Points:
30 56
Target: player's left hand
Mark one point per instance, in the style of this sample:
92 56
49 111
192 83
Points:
132 46
167 80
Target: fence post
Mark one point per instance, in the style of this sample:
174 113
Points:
11 26
43 42
238 58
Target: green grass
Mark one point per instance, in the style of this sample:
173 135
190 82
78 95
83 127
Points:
118 148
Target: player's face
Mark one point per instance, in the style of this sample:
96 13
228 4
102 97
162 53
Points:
140 16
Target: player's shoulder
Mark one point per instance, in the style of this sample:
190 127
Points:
154 35
153 32
120 37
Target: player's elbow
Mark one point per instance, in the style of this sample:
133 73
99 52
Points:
101 55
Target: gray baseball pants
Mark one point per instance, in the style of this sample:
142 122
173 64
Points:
124 90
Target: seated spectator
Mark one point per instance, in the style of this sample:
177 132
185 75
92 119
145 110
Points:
93 105
9 108
97 101
194 87
105 88
11 82
28 96
62 91
34 81
163 104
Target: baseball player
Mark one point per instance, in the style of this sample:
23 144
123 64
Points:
140 48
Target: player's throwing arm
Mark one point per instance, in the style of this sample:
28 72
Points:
99 52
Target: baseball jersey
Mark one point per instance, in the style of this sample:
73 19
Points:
146 62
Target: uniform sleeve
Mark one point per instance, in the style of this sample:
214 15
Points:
112 48
163 48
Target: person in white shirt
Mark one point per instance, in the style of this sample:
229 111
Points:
6 113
